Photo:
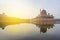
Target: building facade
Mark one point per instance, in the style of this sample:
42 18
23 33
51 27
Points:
44 18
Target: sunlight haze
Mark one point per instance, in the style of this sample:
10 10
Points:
28 8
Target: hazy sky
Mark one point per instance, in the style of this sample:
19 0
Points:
29 8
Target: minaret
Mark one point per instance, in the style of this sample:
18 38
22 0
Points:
40 10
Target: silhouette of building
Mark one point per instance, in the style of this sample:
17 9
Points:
43 13
44 18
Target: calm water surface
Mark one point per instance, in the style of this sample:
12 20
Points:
30 31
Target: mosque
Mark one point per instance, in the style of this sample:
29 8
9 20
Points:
44 18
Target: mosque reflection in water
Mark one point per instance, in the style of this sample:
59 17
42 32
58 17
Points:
43 27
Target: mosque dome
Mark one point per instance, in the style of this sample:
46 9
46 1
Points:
43 12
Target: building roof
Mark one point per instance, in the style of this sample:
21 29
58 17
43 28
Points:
43 12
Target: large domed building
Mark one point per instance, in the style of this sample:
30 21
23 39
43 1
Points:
44 18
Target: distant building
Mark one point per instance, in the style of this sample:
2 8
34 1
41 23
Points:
44 18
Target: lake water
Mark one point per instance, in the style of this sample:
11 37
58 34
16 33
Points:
30 31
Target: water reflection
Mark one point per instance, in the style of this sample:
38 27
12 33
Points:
44 27
4 24
16 30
